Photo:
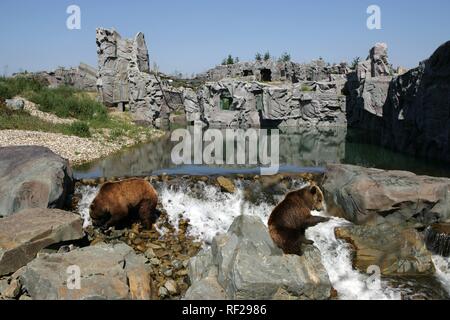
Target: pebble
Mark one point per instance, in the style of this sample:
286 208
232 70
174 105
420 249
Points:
149 253
163 292
177 264
168 273
171 286
13 290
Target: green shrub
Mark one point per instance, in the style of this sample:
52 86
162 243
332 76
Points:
80 129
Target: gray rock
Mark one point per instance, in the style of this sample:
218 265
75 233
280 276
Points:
13 290
407 113
124 76
109 272
397 250
228 268
3 285
33 177
205 289
83 77
15 104
253 103
360 194
24 234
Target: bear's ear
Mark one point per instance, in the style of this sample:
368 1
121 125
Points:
313 190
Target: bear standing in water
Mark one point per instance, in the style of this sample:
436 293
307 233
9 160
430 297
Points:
118 202
291 217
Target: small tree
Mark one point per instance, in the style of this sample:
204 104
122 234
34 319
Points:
236 60
285 57
258 56
224 62
267 56
355 62
230 59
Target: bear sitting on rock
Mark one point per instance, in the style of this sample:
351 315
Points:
119 202
291 217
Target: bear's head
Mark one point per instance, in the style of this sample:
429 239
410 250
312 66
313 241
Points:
98 214
312 197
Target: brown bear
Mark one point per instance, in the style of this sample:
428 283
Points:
120 202
291 217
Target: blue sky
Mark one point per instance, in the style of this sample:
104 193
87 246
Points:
193 35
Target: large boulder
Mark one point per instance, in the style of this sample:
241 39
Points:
24 234
110 272
361 194
396 250
33 177
245 264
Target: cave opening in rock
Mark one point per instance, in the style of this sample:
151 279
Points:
266 75
248 73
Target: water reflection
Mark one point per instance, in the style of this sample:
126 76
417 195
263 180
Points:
301 150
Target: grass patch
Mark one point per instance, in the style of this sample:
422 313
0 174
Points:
21 120
65 102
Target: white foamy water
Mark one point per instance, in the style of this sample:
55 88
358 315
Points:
336 258
88 195
211 215
442 271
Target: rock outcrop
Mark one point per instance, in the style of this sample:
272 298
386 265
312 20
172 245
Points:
83 77
408 113
24 234
361 194
228 269
110 272
235 103
396 250
33 177
124 77
270 70
416 116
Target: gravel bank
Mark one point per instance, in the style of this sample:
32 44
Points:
77 150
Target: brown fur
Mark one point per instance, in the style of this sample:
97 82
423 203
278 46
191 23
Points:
290 219
117 202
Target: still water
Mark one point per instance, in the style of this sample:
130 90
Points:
300 150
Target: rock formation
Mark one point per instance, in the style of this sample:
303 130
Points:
111 272
235 103
408 113
360 195
24 234
83 77
270 70
227 270
124 77
33 177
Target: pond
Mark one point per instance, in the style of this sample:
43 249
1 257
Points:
300 150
